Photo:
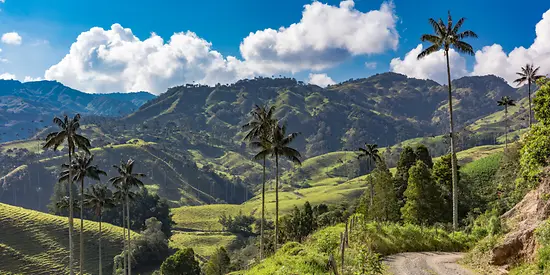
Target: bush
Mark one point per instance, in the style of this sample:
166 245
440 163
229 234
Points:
181 263
534 154
240 224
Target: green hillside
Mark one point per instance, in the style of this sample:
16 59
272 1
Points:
33 242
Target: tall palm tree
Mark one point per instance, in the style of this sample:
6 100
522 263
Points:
119 198
371 154
99 197
449 36
81 168
68 135
126 180
259 128
277 145
506 101
528 74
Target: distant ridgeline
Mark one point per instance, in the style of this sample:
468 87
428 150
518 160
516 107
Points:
189 140
26 108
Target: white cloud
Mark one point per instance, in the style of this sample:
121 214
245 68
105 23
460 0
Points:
116 60
321 80
493 60
325 36
432 66
11 38
371 65
31 79
7 76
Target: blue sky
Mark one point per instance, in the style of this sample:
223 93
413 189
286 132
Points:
48 29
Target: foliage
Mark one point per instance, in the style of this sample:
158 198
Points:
508 192
368 262
478 185
183 262
423 196
298 224
422 153
407 159
385 207
535 154
238 224
542 102
219 263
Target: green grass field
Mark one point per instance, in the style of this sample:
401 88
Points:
33 242
203 243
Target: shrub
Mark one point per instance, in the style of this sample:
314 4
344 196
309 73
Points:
181 263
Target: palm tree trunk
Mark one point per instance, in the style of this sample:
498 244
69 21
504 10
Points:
506 126
82 226
529 88
263 217
276 201
371 191
100 266
124 262
129 241
71 245
453 153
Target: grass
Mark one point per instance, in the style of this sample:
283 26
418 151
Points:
33 242
311 257
203 243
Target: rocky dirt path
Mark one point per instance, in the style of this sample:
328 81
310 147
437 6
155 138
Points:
426 263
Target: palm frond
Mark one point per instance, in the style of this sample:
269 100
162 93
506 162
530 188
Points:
463 47
428 51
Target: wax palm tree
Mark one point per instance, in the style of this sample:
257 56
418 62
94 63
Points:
528 75
449 36
372 156
259 128
63 204
99 197
277 145
81 168
506 101
126 180
68 135
119 198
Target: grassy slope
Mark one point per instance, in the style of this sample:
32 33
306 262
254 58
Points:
33 242
323 189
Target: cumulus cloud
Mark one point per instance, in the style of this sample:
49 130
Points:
493 60
11 38
30 79
7 76
433 66
116 60
321 80
325 36
371 65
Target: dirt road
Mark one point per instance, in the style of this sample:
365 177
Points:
426 263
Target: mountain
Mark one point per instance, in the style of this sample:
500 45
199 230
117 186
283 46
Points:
27 107
189 140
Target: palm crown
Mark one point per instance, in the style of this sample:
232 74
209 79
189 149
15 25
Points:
277 145
370 152
528 74
261 124
68 133
506 101
98 197
447 36
80 168
126 178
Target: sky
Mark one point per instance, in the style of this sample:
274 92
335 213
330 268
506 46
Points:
122 46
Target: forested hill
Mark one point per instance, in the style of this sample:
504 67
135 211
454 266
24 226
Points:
27 107
383 109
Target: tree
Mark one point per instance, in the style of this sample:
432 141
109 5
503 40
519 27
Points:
183 262
99 197
120 198
278 146
219 263
423 196
385 206
542 102
81 168
443 177
259 128
506 101
447 37
528 74
371 154
422 153
407 159
68 135
126 180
